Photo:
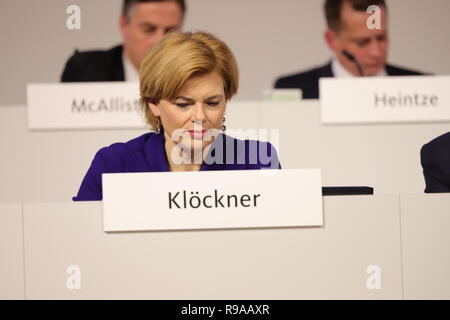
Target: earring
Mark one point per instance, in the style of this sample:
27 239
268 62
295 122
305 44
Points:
158 126
224 127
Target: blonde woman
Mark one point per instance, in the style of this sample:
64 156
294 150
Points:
185 83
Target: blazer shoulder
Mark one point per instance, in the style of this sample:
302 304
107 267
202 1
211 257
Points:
439 145
94 56
435 160
293 80
121 152
436 153
96 65
393 70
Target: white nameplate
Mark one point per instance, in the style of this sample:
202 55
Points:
84 105
212 199
385 99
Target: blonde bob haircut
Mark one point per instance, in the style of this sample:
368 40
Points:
179 57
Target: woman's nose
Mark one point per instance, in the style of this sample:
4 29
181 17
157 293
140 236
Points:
198 113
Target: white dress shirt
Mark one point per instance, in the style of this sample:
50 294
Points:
130 72
339 70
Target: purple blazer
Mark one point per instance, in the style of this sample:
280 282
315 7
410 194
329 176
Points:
147 154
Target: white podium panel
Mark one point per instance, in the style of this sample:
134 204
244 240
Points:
242 115
11 252
49 165
383 156
68 256
41 166
425 241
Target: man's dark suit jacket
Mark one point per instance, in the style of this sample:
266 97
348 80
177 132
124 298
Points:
435 158
94 66
308 81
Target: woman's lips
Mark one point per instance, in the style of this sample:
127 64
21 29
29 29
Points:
197 134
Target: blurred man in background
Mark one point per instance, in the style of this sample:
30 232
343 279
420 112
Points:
435 159
142 24
358 50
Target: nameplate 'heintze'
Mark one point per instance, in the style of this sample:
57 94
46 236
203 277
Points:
212 199
385 99
84 105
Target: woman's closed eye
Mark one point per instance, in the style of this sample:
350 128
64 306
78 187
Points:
187 104
212 103
182 104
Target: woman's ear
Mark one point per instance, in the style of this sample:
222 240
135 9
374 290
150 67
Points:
154 108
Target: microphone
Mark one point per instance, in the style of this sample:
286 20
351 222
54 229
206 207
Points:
352 58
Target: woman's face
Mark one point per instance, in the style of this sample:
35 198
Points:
196 113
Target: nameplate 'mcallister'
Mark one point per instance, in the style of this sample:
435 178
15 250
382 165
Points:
212 199
385 99
84 106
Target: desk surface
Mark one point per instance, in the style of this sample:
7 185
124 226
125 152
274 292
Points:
425 221
284 263
11 252
397 242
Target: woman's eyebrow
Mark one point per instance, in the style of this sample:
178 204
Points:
215 97
190 99
184 98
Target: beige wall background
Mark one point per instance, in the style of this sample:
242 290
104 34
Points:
269 38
